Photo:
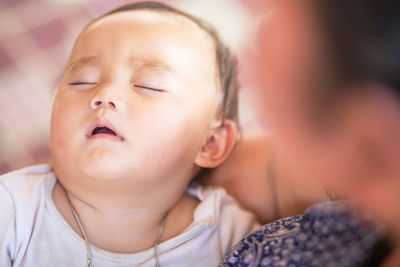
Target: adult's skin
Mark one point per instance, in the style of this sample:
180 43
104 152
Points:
330 84
260 177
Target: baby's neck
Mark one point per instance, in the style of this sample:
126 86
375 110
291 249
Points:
126 227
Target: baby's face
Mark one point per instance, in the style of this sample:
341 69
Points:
136 98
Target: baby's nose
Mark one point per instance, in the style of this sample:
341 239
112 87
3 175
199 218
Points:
97 103
108 97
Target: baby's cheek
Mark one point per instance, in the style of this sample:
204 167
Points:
180 129
58 143
60 130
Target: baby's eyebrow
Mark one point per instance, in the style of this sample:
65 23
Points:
149 63
138 63
90 60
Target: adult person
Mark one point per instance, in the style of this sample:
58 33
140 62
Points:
331 84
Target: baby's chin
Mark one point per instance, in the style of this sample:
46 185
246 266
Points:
97 165
104 167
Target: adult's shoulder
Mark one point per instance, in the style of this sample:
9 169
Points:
327 234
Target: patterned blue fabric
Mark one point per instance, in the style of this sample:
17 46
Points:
328 234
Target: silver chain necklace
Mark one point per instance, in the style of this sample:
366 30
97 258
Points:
88 250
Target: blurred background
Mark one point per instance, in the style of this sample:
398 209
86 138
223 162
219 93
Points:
36 37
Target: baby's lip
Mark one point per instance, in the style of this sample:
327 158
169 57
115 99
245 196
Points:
102 127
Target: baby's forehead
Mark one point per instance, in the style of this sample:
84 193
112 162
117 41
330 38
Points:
159 25
157 29
152 17
172 39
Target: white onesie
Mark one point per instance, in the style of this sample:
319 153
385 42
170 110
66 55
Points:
33 232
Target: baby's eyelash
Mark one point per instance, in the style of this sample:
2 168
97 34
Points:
80 83
149 88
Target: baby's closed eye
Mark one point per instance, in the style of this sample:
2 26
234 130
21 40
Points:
82 85
151 88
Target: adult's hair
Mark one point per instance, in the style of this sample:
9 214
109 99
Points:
363 40
226 62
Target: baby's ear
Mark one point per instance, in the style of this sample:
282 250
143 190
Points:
218 145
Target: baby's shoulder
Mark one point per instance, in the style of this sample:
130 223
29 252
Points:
23 195
217 200
220 208
28 182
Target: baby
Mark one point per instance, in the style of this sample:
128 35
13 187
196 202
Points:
148 99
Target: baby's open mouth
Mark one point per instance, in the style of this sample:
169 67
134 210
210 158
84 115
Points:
103 130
